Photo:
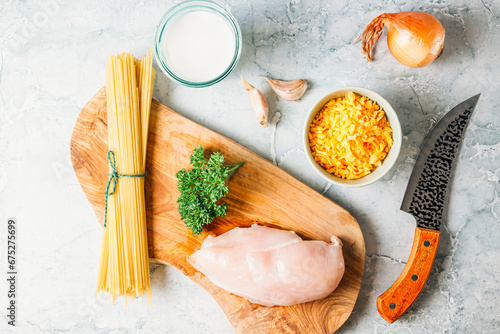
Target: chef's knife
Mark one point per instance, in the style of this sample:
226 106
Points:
425 199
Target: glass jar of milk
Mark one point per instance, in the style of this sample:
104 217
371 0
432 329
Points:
197 43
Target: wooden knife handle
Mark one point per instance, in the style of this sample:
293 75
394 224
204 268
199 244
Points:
399 297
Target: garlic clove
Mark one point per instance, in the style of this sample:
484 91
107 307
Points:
259 103
289 90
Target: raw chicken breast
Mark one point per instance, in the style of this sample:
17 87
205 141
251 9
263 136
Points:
269 266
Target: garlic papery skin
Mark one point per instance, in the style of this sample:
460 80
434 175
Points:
259 103
289 90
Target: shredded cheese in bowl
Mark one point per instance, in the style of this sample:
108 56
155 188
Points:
350 136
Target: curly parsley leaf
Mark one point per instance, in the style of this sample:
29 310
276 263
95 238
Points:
201 188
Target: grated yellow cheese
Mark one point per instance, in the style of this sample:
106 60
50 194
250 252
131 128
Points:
350 136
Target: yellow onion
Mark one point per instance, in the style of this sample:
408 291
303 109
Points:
415 39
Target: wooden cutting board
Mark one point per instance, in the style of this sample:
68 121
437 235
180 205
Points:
258 192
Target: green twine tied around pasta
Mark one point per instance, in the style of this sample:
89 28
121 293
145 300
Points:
113 177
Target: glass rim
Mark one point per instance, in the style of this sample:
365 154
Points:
203 4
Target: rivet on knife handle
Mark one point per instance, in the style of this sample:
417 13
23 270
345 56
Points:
399 297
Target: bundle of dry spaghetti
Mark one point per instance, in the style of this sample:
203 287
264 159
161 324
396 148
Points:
124 261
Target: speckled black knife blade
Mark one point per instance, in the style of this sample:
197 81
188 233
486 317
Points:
427 190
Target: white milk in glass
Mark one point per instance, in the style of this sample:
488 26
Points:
199 46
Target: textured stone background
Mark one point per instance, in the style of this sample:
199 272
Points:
52 56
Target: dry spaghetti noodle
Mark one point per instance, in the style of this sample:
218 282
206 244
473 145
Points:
124 261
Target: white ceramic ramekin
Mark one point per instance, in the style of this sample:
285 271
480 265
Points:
389 160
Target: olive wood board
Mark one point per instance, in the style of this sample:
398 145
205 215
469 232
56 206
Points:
259 192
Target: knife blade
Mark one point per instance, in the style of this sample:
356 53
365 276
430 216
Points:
425 199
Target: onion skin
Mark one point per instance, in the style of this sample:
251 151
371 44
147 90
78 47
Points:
415 39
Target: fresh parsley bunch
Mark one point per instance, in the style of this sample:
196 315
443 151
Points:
201 188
